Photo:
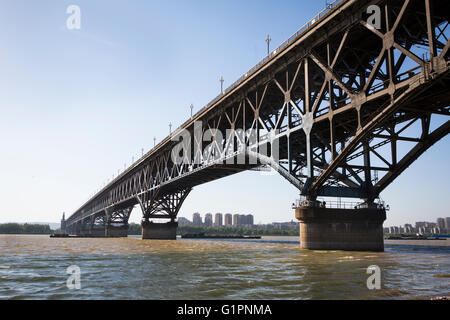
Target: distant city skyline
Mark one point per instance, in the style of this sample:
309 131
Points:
220 219
442 225
240 220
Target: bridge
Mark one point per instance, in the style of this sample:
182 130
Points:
340 109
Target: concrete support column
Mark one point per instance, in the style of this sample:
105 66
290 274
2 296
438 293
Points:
116 231
97 233
341 229
78 229
159 231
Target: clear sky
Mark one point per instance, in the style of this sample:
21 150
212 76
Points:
76 105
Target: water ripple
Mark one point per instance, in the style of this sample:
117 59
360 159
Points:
34 267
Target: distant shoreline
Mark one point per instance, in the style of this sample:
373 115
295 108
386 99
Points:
25 228
424 243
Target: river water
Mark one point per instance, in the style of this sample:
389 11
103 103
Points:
35 267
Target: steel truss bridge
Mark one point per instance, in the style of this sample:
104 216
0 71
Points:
349 105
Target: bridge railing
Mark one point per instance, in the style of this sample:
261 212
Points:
274 52
271 55
337 204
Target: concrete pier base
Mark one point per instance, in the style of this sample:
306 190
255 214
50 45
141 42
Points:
159 231
341 229
116 232
97 233
109 232
83 233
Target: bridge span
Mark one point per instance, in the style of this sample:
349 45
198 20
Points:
340 109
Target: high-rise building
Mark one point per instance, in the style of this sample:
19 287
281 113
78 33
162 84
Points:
441 223
250 220
426 225
235 220
218 220
447 224
197 219
420 224
228 220
208 220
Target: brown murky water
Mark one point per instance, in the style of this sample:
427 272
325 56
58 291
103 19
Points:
35 267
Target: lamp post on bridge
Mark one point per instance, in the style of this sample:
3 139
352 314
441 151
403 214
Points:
154 142
170 127
221 84
192 108
268 39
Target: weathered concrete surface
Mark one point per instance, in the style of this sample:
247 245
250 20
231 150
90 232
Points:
116 232
159 231
341 229
98 233
109 232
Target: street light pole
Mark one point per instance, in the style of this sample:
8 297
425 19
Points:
221 84
154 142
268 44
170 127
192 108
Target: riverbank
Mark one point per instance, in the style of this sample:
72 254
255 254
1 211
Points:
426 243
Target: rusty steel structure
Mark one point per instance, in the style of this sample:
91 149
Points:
347 102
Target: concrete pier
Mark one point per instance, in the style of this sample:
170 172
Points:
116 231
97 233
341 229
108 232
159 231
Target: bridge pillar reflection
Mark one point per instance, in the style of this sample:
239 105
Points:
358 229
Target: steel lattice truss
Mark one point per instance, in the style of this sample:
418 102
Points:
349 106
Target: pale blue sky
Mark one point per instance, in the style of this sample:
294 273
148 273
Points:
75 106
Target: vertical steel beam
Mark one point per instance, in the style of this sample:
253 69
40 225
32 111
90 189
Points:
307 92
430 29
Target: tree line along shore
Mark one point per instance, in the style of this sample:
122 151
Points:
26 228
